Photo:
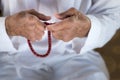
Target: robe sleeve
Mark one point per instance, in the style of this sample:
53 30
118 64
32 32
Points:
5 41
105 17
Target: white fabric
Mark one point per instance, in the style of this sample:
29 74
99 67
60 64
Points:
5 38
72 60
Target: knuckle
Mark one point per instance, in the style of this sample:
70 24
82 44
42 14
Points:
22 14
32 10
66 40
39 38
40 27
31 18
73 9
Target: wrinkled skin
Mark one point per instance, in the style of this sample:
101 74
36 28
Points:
73 24
29 24
26 24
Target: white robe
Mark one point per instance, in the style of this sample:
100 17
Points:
73 60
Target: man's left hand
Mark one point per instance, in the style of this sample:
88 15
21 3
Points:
73 24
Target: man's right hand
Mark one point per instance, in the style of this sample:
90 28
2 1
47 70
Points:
26 24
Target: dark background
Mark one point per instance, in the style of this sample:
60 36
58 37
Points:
111 55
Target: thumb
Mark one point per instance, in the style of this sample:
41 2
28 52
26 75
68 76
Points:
39 15
66 14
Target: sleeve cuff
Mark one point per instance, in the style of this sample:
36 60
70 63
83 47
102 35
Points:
93 36
5 42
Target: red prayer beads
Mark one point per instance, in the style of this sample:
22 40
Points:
49 45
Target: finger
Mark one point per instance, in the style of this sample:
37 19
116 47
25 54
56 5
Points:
65 24
66 14
55 27
57 35
39 35
33 36
63 35
33 33
40 26
30 36
38 32
36 23
39 15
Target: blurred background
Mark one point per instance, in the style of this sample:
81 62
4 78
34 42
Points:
111 55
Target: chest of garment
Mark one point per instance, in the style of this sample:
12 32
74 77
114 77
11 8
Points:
48 7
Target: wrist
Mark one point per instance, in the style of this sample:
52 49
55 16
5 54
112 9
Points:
84 26
7 25
88 25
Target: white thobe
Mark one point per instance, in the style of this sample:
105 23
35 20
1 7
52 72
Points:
73 60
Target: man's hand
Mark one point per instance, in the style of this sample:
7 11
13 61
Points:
73 24
26 24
